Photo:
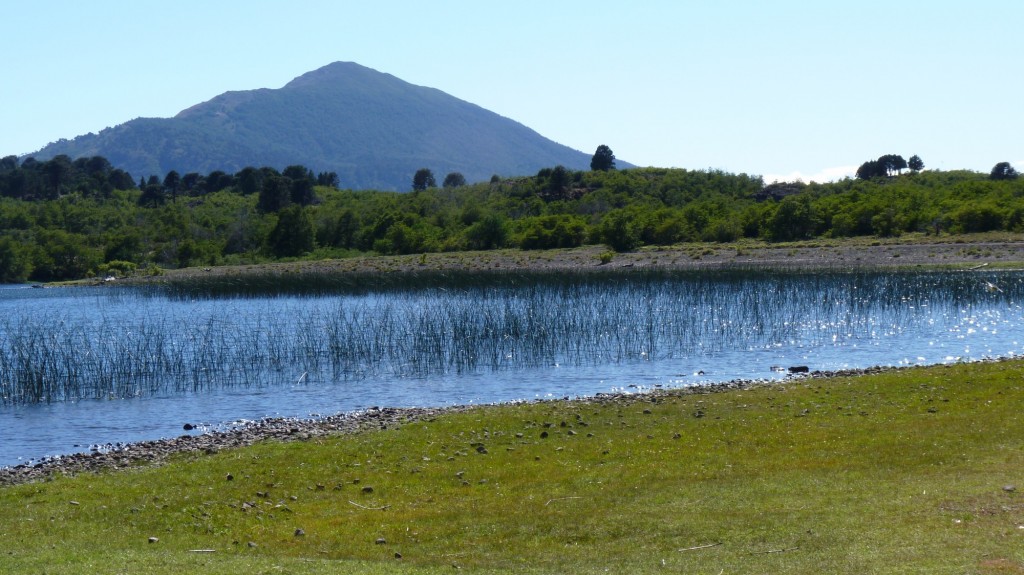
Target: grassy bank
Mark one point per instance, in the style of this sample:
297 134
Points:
900 472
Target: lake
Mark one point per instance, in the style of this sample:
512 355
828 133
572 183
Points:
83 368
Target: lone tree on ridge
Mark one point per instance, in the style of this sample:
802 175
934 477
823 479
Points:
603 159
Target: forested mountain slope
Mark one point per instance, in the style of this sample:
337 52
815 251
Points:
372 129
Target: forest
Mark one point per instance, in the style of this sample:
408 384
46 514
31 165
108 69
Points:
66 219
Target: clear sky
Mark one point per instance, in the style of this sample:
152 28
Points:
781 88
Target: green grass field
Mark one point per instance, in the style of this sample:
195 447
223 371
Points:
906 471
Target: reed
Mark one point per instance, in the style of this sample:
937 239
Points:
191 340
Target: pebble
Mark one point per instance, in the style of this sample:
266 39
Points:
118 455
109 456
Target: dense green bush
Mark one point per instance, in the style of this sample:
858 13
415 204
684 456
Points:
64 219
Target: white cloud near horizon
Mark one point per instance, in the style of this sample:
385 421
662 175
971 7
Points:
822 176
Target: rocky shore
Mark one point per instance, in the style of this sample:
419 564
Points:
964 252
157 451
289 429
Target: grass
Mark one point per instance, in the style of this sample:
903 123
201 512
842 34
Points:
898 472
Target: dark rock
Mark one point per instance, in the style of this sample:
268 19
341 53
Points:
300 533
799 369
188 427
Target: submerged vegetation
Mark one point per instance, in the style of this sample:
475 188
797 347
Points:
908 471
163 340
64 219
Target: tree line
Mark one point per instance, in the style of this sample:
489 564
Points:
67 219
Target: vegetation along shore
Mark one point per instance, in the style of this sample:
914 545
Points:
64 219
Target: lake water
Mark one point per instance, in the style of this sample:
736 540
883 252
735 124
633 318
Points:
87 367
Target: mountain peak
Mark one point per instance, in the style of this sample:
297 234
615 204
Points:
336 73
373 129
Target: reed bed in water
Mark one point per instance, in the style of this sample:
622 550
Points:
448 326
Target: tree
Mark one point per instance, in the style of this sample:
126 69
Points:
302 192
293 235
618 231
603 159
250 180
554 183
98 165
58 173
915 163
297 172
218 180
192 183
274 195
887 165
328 179
870 169
454 180
152 196
423 179
491 232
121 180
15 265
892 163
1003 171
793 220
8 163
172 181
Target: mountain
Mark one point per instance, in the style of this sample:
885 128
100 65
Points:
373 129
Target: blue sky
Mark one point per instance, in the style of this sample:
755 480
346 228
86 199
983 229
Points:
783 89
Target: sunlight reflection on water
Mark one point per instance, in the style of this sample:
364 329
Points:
249 358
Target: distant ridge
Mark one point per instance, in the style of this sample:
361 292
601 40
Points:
373 129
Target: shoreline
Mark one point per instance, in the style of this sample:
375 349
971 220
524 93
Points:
157 451
998 251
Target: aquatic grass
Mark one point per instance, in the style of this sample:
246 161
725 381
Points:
500 323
